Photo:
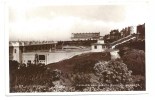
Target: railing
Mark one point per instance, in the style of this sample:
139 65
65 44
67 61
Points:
28 43
123 40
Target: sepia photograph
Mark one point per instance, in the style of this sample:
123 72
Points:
76 48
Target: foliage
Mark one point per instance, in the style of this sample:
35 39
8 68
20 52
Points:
84 66
13 65
30 75
80 63
80 73
114 74
80 81
135 61
56 74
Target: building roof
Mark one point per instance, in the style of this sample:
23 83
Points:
88 33
27 43
99 44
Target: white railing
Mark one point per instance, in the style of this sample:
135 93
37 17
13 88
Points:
123 40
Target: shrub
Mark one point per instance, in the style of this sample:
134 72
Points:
81 81
114 75
135 61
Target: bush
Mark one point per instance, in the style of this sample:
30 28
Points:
56 74
81 81
31 75
114 75
135 61
13 65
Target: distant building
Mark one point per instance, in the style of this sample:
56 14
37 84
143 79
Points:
85 36
114 35
15 51
128 31
35 58
100 46
21 51
141 31
133 29
33 52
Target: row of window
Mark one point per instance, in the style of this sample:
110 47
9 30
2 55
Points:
29 61
95 46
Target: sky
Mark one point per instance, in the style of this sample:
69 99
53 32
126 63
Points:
57 22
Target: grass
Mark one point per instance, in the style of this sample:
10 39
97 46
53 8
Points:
83 63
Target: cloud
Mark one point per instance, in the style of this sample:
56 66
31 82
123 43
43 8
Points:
59 28
106 13
58 22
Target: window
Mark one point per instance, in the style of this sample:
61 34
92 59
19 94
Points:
29 61
41 57
15 50
95 47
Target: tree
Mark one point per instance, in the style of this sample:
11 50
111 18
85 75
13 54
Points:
135 61
114 75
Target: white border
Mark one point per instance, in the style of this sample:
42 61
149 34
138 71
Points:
69 2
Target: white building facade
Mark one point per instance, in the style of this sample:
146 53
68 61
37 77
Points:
100 46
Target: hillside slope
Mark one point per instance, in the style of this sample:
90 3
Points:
80 63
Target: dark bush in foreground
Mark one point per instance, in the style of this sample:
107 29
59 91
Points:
135 60
31 75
